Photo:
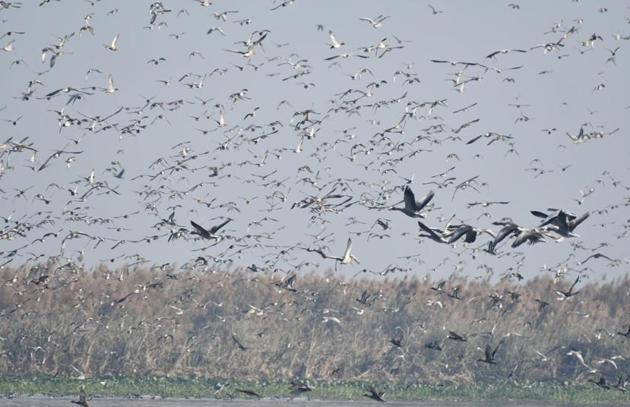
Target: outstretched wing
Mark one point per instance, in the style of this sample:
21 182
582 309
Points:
346 253
199 229
539 214
425 201
430 231
218 227
410 199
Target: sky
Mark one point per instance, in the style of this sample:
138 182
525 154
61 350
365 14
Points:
257 167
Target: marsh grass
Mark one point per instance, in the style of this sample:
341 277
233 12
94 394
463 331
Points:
180 326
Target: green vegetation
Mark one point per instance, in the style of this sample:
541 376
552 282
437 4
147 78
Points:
199 388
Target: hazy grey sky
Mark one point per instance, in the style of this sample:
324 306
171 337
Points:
574 86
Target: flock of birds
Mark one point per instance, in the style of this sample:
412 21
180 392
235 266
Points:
214 167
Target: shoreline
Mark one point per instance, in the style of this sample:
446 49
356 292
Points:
173 389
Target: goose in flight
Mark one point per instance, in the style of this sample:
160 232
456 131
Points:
434 11
299 386
333 41
530 236
503 51
561 222
9 47
412 207
434 234
114 45
221 122
209 233
375 394
346 258
110 85
490 357
580 358
509 229
563 295
470 233
54 155
598 256
376 22
223 14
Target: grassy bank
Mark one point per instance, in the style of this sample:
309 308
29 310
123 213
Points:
201 388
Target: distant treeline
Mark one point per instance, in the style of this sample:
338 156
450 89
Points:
64 320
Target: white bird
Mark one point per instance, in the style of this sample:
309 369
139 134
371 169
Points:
114 45
223 15
333 41
348 257
580 359
221 122
110 85
9 47
376 22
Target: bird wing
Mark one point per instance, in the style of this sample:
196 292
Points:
430 231
425 201
539 214
200 229
218 227
333 40
46 162
577 221
410 200
347 254
115 41
459 232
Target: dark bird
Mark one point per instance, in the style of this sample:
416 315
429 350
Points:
561 222
375 394
456 337
626 334
208 233
530 236
563 295
455 232
432 234
490 354
249 393
598 256
299 386
601 383
509 229
412 207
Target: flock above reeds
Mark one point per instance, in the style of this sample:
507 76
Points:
177 179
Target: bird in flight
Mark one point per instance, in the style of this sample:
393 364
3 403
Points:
209 233
412 207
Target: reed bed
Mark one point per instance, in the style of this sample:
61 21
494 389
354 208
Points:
67 321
